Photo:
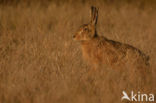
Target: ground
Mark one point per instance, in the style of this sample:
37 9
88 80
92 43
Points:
40 63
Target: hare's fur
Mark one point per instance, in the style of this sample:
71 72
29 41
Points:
100 50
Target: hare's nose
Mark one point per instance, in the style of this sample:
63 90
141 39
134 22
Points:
73 36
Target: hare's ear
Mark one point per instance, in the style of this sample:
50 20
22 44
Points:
94 15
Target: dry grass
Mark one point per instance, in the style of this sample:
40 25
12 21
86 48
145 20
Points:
40 63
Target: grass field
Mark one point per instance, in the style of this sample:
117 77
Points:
40 63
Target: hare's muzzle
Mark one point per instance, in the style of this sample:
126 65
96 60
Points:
74 36
77 36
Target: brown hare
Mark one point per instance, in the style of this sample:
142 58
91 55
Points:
100 50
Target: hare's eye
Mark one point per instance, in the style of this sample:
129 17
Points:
85 29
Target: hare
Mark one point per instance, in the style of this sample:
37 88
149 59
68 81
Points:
100 50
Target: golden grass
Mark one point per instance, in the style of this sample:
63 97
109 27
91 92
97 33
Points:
40 63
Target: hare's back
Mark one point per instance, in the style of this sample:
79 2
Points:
122 51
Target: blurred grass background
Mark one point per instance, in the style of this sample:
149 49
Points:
40 63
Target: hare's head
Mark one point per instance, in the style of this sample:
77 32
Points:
88 31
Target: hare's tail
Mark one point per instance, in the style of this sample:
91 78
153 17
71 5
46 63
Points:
147 60
145 57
